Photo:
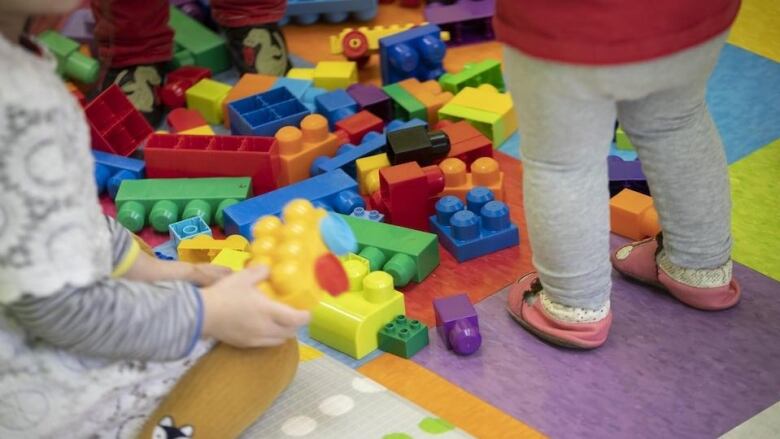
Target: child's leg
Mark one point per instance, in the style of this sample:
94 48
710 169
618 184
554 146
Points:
132 32
566 128
685 163
134 40
256 42
225 392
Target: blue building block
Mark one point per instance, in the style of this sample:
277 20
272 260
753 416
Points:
335 105
347 154
480 228
307 12
188 228
414 53
303 89
371 215
166 251
334 191
265 113
112 169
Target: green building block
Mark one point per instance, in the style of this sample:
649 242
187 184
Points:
404 253
196 44
490 112
70 62
405 106
622 141
163 201
473 75
206 98
403 337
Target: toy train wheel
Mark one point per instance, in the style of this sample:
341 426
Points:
355 45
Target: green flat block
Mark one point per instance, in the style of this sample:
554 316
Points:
622 141
405 106
204 46
473 75
70 62
404 253
403 337
162 201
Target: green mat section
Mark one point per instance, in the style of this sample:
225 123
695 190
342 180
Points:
755 189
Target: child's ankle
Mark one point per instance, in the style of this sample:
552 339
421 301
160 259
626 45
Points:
573 314
695 277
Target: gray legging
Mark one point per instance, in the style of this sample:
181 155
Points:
566 116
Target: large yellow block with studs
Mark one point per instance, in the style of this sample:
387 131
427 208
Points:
368 172
350 322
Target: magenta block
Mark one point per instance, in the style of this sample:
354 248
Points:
458 324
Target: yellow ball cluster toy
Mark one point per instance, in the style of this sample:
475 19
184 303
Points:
300 249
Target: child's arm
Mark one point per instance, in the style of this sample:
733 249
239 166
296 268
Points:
133 264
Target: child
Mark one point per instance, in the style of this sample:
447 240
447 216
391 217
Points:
86 318
135 42
573 67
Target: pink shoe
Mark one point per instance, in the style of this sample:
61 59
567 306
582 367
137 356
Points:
532 316
638 261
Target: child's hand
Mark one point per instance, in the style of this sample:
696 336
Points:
237 313
205 275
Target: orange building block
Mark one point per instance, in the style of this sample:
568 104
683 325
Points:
298 147
633 215
484 172
429 93
466 142
249 84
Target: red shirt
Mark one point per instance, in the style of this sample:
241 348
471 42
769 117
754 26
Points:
609 31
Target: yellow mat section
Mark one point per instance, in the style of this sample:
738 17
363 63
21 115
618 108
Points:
757 28
444 399
755 190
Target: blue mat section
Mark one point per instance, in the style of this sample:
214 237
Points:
303 335
512 147
744 98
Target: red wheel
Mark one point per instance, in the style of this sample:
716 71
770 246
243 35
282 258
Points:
355 45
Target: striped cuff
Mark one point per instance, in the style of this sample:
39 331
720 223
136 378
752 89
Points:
128 259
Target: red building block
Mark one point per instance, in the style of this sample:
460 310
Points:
182 119
115 125
466 142
406 194
178 81
353 128
179 156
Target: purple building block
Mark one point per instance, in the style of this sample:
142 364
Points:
80 26
458 324
467 21
626 175
372 98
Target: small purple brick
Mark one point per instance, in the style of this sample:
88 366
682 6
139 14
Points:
458 324
373 99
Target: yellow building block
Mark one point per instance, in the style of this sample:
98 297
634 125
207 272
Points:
332 75
204 248
350 323
301 73
368 172
203 130
487 110
206 98
303 269
363 38
232 259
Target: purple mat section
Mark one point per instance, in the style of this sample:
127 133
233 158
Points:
666 371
